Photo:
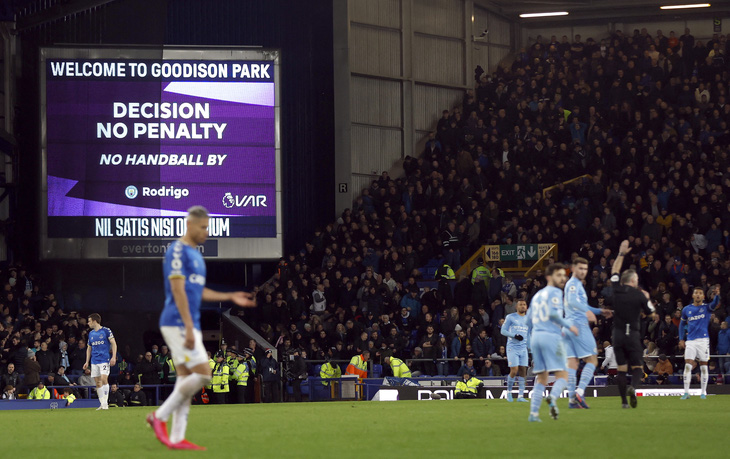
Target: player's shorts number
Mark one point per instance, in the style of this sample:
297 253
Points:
98 369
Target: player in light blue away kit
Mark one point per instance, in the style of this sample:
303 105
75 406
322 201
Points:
184 270
545 319
101 343
583 346
695 320
515 327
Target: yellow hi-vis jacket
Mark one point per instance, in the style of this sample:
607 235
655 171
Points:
39 394
220 377
358 367
480 274
399 367
328 371
241 374
469 386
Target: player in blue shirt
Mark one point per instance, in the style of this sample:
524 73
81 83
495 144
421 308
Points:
515 327
583 346
184 270
693 331
545 321
101 343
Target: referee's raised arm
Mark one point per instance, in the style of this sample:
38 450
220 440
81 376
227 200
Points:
623 250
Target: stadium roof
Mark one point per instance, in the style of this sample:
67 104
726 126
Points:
597 11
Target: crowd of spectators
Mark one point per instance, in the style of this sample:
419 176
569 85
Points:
644 117
40 342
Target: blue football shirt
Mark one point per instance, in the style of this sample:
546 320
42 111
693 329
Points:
516 324
544 302
697 319
576 302
183 262
100 343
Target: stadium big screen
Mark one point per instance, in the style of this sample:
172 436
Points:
131 138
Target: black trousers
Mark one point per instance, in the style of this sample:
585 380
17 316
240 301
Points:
628 348
251 394
465 395
220 398
241 394
271 392
296 384
151 396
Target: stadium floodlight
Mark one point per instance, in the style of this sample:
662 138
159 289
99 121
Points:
681 7
542 15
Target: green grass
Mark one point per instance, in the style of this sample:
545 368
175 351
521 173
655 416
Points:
659 427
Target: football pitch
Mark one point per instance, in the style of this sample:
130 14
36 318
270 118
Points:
663 426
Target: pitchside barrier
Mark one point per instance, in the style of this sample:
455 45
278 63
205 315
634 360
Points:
84 400
390 393
51 404
352 388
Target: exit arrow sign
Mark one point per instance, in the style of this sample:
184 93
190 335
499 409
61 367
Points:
521 252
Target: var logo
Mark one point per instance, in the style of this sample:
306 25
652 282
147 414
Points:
248 200
131 192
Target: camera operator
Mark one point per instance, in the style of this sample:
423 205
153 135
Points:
297 371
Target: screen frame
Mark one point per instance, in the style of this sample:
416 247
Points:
245 249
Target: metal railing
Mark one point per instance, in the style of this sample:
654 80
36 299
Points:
540 263
567 182
491 254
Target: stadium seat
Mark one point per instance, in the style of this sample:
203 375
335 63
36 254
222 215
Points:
377 371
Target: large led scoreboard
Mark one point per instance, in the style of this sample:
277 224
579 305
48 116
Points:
131 138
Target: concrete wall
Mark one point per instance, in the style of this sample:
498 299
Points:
408 60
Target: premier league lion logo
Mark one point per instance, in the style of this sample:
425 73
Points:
228 201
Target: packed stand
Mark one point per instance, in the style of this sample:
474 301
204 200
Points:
43 347
645 117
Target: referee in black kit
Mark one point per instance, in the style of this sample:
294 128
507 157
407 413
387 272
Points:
629 301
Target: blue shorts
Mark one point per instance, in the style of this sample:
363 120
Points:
581 346
548 353
517 357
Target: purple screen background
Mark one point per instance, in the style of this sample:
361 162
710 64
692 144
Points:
78 186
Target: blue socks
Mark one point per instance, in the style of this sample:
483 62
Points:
537 394
510 383
571 382
521 383
558 387
585 377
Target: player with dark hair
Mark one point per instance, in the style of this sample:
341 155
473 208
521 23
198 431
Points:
696 344
515 328
184 270
628 303
583 346
101 343
545 319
